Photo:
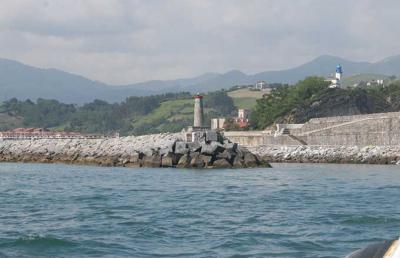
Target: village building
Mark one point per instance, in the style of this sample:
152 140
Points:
241 120
218 123
261 85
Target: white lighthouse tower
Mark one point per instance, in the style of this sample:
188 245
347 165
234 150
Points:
336 81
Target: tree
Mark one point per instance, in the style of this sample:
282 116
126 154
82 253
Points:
286 98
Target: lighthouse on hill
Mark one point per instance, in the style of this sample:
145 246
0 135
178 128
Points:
337 79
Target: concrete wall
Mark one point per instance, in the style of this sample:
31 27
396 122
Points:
247 138
259 138
361 130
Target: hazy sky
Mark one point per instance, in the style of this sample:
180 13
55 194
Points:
125 41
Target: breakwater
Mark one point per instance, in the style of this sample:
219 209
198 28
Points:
169 150
159 150
326 154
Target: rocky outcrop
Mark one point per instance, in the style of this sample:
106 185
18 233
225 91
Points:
160 150
323 154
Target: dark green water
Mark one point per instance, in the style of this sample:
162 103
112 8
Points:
288 211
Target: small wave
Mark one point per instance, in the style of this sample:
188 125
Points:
396 187
369 220
39 241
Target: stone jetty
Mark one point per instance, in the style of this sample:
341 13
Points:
159 150
325 154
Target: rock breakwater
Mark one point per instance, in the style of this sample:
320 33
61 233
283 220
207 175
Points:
324 154
159 150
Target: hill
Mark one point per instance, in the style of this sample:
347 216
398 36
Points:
135 115
27 82
23 81
311 98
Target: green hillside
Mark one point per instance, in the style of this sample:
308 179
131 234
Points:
136 115
246 98
312 98
171 115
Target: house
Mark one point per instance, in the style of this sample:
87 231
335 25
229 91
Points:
261 85
242 120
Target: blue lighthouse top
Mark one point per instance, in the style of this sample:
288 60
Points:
339 69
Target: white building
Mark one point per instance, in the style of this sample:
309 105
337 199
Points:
243 113
217 123
261 85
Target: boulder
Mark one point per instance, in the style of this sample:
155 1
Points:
207 159
237 162
207 149
184 161
107 161
226 154
240 151
250 160
194 146
134 158
153 161
211 136
149 152
165 150
264 162
181 148
199 136
196 161
168 160
212 148
221 163
230 146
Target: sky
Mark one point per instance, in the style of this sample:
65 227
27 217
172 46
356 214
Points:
128 41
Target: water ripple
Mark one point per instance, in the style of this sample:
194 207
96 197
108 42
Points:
291 211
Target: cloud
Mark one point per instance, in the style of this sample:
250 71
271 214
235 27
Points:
125 41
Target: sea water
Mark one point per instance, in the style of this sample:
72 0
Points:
292 210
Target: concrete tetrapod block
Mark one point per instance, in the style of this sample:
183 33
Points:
194 146
211 136
181 148
212 148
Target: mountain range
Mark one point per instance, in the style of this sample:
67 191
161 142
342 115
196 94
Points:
23 81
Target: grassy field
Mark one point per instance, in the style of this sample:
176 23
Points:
245 98
166 114
170 116
170 110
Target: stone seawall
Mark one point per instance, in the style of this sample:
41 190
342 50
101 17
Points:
381 129
159 150
324 154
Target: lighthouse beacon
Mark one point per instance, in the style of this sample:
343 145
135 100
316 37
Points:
336 81
339 72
